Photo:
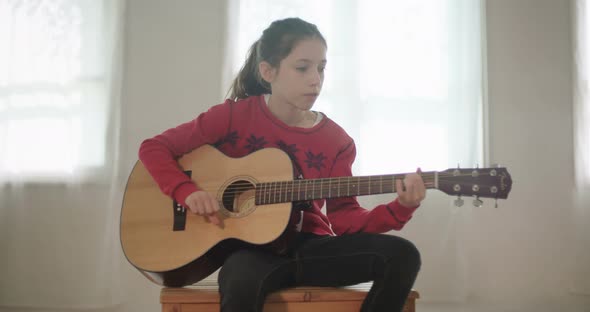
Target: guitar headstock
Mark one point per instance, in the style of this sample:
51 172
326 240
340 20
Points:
479 182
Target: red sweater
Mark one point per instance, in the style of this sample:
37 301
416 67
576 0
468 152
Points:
239 128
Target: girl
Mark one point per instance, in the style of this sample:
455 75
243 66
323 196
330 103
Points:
270 106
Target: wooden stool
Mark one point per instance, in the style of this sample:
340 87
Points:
299 299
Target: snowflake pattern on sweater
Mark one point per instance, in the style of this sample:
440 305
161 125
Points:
239 128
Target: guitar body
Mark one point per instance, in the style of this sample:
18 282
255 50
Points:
175 247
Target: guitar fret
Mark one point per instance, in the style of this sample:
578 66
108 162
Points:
285 188
274 192
348 187
358 186
265 191
329 188
288 192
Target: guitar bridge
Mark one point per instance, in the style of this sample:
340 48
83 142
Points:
179 211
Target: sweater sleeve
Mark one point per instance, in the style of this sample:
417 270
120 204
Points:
159 154
347 216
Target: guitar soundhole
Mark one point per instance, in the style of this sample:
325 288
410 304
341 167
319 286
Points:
239 198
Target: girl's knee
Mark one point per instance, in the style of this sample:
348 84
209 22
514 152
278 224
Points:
404 253
413 255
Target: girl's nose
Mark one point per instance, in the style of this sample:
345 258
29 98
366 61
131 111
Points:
316 78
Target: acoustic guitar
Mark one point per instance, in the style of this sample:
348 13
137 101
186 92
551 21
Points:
175 248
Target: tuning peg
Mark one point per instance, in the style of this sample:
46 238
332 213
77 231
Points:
477 202
458 202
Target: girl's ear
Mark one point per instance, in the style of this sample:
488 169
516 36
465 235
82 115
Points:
267 72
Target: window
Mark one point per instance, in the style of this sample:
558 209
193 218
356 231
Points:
404 77
53 88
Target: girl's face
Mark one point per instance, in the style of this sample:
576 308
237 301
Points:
299 78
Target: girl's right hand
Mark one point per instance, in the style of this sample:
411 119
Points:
203 204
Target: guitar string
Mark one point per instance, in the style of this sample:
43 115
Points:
283 199
355 181
285 194
282 186
283 189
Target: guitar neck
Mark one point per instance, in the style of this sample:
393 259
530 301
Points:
310 189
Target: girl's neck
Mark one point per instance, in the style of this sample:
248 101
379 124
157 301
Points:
290 115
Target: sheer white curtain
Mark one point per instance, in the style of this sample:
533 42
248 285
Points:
404 78
60 64
394 67
581 14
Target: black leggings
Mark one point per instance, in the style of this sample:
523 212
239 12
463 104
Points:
391 262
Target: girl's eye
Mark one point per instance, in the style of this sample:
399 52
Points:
321 69
301 69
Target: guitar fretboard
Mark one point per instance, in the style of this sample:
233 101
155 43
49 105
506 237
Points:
310 189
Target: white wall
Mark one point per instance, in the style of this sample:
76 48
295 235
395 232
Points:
530 106
173 57
172 65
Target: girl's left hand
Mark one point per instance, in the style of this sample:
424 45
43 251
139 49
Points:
414 192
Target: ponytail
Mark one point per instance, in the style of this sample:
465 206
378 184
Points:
248 81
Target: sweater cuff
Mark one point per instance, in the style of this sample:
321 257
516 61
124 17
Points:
400 211
183 191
